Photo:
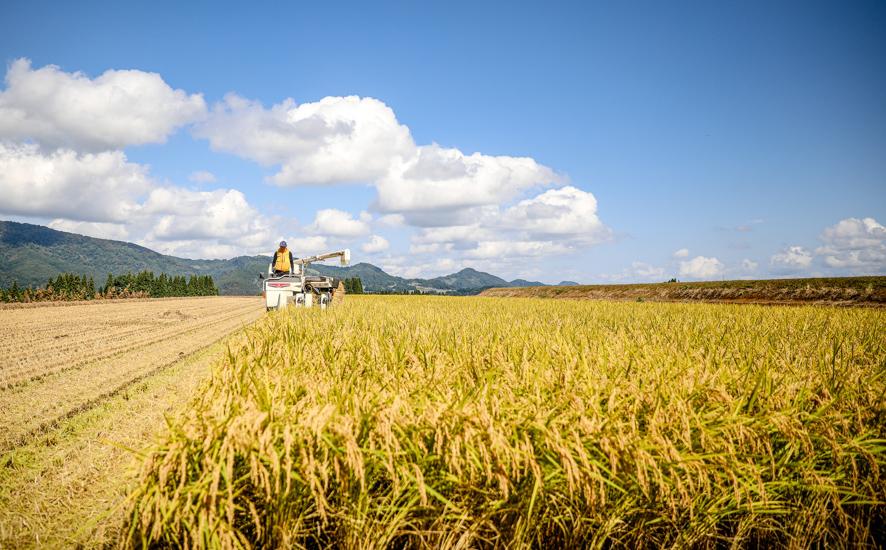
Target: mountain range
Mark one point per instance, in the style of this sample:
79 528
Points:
31 254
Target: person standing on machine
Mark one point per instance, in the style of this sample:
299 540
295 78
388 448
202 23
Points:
282 262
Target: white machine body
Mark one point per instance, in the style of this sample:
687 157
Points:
300 290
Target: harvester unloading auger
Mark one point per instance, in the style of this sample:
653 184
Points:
298 288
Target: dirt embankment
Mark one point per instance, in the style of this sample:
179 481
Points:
852 291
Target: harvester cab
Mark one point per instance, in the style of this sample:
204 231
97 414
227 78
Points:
298 288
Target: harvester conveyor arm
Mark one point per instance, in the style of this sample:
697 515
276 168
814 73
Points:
345 256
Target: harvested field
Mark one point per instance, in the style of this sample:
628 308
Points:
57 362
845 291
80 383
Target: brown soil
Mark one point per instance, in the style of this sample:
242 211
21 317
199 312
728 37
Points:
81 385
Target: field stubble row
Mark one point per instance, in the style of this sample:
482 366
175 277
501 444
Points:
448 422
44 380
39 341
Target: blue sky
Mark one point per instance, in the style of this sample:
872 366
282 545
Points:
750 134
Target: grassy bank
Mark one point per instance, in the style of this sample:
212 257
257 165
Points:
865 291
464 422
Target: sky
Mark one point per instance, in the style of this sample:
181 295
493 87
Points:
586 141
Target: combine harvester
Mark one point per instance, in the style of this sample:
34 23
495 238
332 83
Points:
297 287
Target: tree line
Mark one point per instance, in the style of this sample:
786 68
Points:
353 285
69 286
162 286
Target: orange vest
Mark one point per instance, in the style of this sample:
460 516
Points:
282 263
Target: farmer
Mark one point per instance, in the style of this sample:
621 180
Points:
282 262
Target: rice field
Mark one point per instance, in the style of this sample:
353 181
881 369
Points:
439 422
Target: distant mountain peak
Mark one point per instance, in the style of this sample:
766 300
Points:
31 254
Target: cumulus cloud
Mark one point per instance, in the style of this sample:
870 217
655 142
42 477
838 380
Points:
454 234
104 195
682 253
69 110
555 222
225 214
101 187
647 271
515 249
357 139
202 176
426 248
392 220
857 245
462 203
334 140
792 258
566 212
409 268
308 245
638 272
375 244
338 223
701 267
438 178
61 136
749 265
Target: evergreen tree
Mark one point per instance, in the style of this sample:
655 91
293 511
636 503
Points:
109 285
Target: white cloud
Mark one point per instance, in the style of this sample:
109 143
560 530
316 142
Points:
682 253
104 195
375 244
856 245
749 265
490 209
101 230
202 224
392 220
182 214
558 213
555 222
335 140
112 111
359 140
407 267
507 250
202 176
308 245
701 267
647 271
460 201
792 258
638 272
102 187
337 223
455 234
438 178
195 248
424 248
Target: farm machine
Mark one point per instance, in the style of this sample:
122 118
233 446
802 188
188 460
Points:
297 287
